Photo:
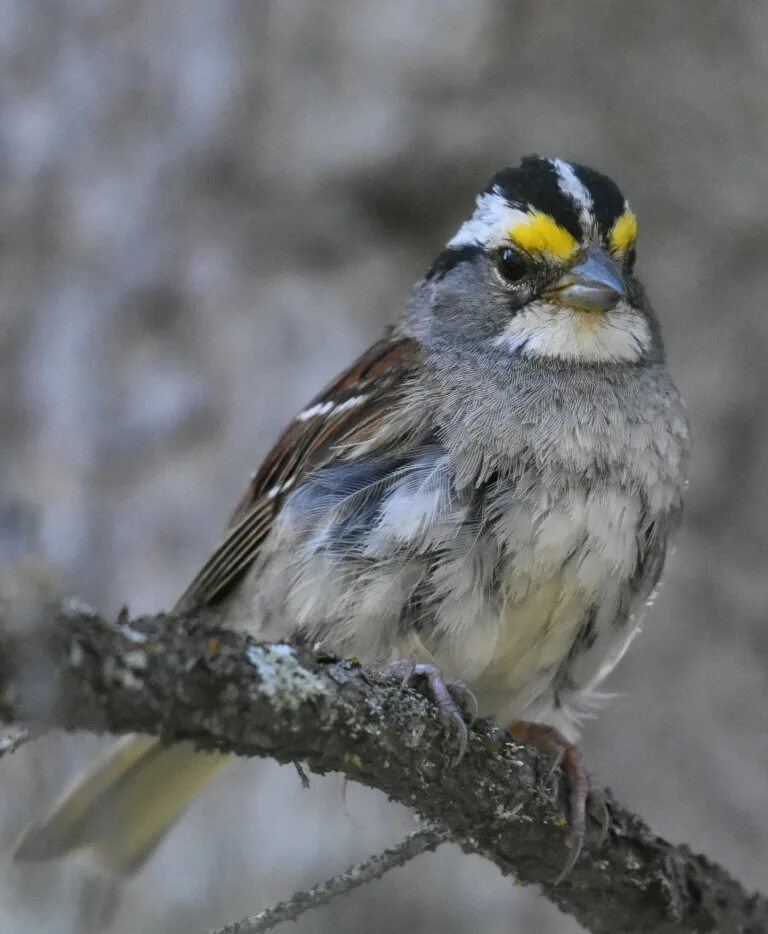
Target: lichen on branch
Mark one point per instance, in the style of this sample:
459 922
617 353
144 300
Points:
188 679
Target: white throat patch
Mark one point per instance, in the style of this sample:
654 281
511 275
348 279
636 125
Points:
545 330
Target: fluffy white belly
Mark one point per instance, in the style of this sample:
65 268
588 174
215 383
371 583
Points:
562 609
526 612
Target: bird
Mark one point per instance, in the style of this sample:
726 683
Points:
481 503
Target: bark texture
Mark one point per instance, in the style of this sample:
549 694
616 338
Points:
186 679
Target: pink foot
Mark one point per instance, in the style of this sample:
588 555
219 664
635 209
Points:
449 697
581 790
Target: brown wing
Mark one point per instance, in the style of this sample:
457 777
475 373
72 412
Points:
348 411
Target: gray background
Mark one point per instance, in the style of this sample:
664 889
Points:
208 206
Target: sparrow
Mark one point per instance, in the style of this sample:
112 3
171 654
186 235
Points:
484 498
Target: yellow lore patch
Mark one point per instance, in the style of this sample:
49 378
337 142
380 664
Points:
623 232
540 233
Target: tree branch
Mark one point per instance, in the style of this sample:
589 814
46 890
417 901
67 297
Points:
15 737
185 678
366 871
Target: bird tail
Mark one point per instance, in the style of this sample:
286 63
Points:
123 807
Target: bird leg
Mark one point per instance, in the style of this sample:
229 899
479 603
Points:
581 790
450 697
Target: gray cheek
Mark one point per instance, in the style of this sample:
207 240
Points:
471 303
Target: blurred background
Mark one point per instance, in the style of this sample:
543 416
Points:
208 207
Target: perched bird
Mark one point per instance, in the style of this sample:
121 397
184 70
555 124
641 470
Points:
485 496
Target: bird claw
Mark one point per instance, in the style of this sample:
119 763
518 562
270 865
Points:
597 804
583 794
449 698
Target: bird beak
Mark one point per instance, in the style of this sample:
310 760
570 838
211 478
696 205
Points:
593 284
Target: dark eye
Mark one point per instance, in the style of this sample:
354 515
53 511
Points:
512 265
629 259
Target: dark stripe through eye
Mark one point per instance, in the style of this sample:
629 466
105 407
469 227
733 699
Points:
451 257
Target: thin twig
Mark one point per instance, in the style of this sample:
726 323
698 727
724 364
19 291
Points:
369 869
17 736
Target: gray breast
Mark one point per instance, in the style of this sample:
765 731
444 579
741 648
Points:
514 550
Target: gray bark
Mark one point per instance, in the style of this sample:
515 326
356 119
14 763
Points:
186 679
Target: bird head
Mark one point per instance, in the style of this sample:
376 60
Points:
544 268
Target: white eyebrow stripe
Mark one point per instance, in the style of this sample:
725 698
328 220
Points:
491 221
573 187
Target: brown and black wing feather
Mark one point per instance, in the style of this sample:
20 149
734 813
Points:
350 411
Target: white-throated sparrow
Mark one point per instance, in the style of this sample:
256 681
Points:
487 492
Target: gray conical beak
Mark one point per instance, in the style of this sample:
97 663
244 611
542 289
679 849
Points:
593 284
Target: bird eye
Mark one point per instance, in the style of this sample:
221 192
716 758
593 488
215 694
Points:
629 259
512 265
